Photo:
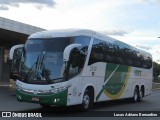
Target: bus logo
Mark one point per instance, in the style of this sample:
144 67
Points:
93 68
138 73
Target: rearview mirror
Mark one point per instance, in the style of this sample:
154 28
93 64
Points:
67 51
15 57
13 50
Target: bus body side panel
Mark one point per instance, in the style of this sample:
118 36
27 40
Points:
110 81
92 76
142 77
116 81
74 91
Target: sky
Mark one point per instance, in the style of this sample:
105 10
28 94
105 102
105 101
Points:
136 22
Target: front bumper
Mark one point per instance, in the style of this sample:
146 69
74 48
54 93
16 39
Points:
59 99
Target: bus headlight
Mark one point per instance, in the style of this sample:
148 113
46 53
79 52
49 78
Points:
58 90
18 87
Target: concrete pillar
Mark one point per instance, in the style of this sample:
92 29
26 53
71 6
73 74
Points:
1 63
4 68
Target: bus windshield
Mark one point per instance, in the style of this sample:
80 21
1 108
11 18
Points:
42 60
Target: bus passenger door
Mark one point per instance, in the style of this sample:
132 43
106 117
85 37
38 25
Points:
73 75
74 91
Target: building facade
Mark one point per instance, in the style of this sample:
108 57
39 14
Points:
11 33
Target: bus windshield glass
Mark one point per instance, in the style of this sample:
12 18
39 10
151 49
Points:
42 60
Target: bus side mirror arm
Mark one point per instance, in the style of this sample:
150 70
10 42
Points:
12 50
13 72
67 51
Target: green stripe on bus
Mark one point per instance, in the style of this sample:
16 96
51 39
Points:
109 69
117 81
121 89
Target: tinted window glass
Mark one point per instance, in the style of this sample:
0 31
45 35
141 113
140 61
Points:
118 53
97 52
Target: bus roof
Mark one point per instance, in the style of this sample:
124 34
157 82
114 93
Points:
79 32
67 33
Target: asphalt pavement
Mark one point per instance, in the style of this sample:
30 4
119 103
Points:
8 102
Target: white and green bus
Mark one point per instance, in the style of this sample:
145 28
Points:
80 67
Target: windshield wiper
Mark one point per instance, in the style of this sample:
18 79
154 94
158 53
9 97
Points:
39 69
31 69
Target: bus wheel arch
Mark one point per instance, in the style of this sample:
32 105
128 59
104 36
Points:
88 98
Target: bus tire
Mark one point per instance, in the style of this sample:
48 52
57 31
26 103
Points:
140 96
136 95
86 101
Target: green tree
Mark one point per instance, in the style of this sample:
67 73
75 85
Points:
156 70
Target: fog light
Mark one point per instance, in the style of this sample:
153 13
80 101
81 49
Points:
19 97
55 100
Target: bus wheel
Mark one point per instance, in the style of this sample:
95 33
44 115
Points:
86 101
140 96
136 95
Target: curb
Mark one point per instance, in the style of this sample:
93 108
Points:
4 85
155 83
156 89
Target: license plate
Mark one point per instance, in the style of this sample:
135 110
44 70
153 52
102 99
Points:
35 99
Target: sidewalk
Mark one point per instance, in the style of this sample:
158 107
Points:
155 86
2 84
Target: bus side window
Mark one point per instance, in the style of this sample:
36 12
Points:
74 63
97 52
149 62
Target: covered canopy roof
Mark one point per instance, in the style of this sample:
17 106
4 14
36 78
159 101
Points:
12 32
